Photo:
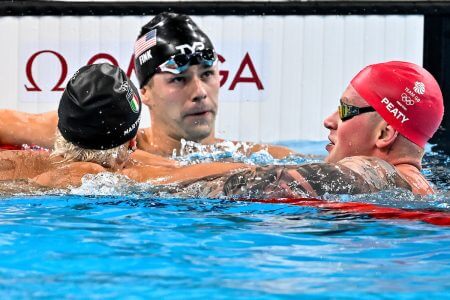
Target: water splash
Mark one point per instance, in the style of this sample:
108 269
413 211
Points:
105 184
194 153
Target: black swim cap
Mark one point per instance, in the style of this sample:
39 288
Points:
165 35
100 108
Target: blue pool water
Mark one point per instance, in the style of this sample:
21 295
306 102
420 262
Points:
131 245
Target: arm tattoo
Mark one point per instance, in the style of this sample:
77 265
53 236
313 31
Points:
310 180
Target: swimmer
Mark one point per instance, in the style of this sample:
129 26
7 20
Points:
98 119
374 154
377 136
389 112
177 69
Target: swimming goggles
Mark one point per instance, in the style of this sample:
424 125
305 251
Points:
346 111
179 63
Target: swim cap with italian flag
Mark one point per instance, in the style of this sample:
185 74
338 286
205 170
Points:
405 95
100 108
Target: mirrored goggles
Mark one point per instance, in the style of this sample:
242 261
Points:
179 63
346 111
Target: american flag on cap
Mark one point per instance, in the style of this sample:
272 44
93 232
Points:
145 42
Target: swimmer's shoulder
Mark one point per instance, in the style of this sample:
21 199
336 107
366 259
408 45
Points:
23 164
361 164
414 177
377 172
67 175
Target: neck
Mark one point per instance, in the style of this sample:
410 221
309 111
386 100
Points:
402 152
158 142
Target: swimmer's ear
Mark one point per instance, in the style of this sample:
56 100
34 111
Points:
387 135
146 96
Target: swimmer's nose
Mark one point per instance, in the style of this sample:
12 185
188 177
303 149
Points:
199 89
331 121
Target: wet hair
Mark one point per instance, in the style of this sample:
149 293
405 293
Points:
73 153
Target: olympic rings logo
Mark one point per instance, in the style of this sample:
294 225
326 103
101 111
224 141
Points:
407 99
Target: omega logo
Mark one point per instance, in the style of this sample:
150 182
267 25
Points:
238 78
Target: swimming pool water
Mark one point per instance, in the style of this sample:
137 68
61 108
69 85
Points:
134 246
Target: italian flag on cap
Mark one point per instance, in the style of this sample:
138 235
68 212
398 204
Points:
134 103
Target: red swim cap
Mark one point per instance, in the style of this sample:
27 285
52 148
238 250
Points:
405 95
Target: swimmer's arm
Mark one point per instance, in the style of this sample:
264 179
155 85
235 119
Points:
275 151
182 175
17 128
309 180
23 164
140 157
68 175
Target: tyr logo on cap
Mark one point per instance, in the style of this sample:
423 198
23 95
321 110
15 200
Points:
192 48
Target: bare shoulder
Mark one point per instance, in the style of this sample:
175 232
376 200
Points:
67 175
414 177
23 164
24 154
375 171
361 164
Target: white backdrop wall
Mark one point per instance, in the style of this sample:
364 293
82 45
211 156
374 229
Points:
282 74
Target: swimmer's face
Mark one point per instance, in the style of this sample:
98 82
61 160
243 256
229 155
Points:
184 105
356 136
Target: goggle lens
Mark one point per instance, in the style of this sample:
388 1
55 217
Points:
179 63
346 111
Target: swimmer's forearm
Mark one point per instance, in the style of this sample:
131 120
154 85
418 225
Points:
169 174
17 128
277 152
